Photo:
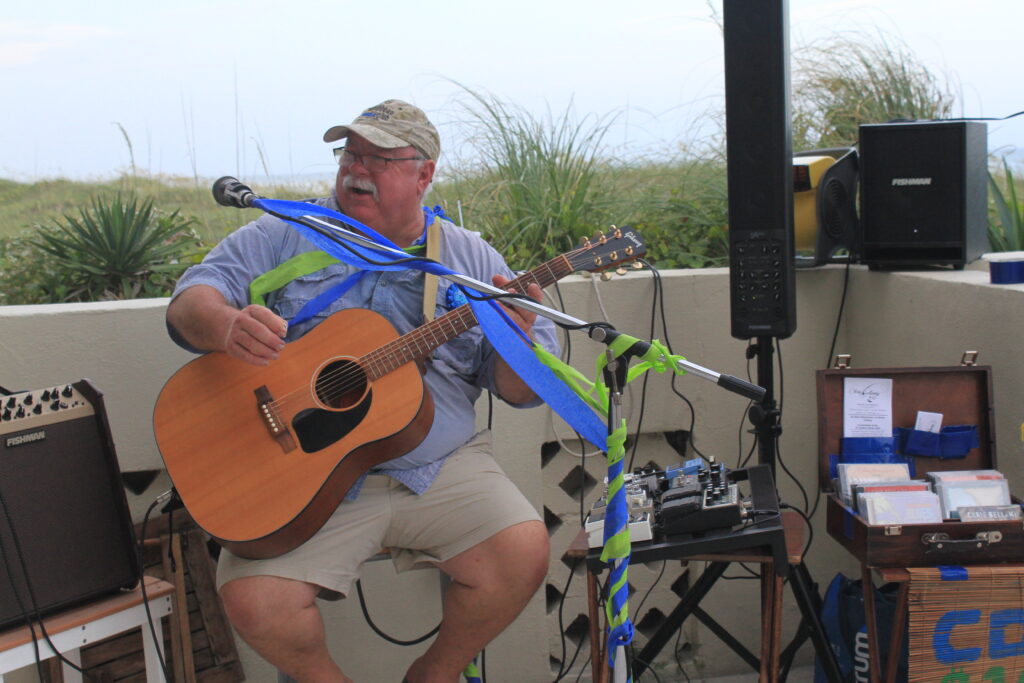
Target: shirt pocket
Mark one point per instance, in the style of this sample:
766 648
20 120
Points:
288 301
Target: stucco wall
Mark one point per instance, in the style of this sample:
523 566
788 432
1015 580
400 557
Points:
890 319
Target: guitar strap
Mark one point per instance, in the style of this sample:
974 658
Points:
429 279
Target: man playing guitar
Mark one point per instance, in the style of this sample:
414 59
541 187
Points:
445 502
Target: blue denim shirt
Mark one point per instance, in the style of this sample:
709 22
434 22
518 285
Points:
458 370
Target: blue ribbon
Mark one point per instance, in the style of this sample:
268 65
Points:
493 321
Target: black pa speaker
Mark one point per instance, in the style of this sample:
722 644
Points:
923 193
66 534
825 223
759 153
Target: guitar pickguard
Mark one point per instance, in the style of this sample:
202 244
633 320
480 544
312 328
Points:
317 429
341 384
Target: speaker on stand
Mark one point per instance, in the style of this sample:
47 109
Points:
826 227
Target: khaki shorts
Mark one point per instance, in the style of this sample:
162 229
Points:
470 501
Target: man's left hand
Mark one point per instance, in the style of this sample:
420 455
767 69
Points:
520 316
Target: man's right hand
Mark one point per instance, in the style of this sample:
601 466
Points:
255 335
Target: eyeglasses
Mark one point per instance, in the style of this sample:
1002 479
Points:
374 163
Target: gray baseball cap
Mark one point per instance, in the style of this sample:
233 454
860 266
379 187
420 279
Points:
392 124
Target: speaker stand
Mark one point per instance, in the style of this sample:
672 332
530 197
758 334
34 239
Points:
764 416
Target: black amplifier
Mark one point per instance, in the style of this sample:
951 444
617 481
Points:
66 534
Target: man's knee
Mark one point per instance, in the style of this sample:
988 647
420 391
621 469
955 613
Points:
538 554
523 551
255 604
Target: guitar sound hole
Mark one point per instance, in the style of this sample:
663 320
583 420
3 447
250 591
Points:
341 384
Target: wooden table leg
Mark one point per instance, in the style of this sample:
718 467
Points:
771 623
870 623
896 637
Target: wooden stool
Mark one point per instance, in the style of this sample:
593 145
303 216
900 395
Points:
70 630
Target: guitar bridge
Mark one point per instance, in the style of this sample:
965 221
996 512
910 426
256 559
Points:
277 428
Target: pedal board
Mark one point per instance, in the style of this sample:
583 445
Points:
689 499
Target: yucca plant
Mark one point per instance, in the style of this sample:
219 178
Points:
1006 218
118 248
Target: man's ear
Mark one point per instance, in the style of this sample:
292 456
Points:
426 175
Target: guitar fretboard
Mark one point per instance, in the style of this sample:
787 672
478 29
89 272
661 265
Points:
420 342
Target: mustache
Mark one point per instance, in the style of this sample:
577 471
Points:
365 184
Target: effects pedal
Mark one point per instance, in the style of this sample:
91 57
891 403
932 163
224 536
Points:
695 503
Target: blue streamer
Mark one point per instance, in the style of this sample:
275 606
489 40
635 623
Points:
489 314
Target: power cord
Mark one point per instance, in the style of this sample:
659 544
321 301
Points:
34 614
382 634
170 495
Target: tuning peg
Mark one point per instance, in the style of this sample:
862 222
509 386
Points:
600 237
637 265
584 241
605 275
621 271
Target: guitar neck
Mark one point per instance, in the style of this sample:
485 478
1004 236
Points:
419 343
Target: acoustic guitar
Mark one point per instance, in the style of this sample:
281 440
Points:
262 455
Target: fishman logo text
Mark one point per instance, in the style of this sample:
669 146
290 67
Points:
23 439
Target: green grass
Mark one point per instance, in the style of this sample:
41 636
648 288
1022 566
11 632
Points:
533 186
26 205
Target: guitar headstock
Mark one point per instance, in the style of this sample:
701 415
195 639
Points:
604 251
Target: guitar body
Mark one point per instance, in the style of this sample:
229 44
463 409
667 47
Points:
261 493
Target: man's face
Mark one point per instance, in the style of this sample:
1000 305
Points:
387 200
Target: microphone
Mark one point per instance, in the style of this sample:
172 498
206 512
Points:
229 191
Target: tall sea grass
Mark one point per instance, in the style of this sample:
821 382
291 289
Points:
857 78
1006 215
535 187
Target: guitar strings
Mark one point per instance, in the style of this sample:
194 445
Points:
336 383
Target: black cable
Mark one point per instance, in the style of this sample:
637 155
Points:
839 315
34 614
17 593
561 621
385 636
664 563
675 653
668 345
962 118
330 235
778 455
647 665
750 353
643 386
579 646
142 584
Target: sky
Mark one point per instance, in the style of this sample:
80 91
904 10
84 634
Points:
247 88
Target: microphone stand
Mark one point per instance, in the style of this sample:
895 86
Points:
598 334
228 191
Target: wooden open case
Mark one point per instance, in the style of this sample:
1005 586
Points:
963 394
